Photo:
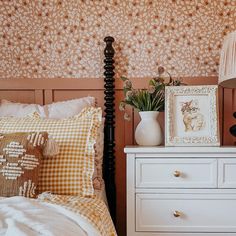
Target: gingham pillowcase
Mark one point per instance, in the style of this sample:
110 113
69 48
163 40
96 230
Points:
71 171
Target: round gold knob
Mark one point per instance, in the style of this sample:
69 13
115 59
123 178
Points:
177 173
177 214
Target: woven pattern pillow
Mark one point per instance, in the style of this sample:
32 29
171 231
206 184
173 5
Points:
71 171
20 158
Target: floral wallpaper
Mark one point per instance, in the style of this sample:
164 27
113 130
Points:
64 38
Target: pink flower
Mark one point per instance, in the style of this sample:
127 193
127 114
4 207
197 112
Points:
122 106
161 70
129 94
127 84
127 117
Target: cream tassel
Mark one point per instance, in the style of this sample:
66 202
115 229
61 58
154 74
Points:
51 148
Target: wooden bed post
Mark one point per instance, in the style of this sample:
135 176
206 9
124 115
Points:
109 128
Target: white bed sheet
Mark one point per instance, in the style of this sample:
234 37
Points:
20 216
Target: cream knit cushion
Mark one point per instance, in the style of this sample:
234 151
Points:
71 171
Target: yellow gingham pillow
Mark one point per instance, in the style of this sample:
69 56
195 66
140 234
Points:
71 171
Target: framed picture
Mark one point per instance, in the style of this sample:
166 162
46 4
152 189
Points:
191 116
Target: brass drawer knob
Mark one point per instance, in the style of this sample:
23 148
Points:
177 173
177 214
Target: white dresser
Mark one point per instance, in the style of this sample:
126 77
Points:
181 191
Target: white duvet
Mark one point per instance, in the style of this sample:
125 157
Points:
20 216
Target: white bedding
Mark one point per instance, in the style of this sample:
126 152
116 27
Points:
20 216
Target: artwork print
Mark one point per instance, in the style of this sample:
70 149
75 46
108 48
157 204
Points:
193 119
191 116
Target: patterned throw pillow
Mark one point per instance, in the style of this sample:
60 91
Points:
71 171
20 159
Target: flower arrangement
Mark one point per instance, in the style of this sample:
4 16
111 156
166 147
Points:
150 99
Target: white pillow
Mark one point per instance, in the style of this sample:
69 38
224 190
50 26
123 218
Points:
8 108
57 110
66 109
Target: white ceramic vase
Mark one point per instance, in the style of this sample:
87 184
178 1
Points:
148 132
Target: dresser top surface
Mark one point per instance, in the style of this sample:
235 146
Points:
163 149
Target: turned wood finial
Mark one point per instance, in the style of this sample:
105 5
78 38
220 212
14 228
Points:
109 50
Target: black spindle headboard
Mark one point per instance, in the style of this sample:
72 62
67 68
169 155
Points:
109 128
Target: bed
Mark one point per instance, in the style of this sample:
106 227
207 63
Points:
64 214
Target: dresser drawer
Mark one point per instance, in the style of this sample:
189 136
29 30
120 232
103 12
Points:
227 173
176 173
185 213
